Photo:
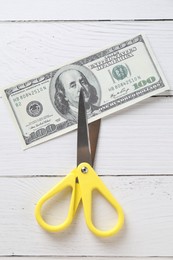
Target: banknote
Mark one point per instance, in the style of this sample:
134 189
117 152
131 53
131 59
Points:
46 106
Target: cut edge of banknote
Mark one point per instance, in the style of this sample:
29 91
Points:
103 114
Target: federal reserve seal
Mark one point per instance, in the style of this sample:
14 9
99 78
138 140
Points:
34 108
119 72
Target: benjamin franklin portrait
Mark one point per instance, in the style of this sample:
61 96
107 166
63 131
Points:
67 85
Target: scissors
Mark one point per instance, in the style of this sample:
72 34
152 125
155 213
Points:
83 180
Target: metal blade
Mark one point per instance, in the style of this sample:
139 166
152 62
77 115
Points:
83 143
94 128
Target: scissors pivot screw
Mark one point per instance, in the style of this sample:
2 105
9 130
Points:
84 169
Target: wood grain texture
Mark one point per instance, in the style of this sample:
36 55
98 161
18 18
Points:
134 141
85 10
82 257
31 49
147 203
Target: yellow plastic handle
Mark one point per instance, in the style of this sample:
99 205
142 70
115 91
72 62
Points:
89 181
68 181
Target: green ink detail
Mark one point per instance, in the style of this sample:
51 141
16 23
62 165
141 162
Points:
119 72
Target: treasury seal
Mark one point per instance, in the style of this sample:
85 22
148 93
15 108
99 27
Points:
119 72
34 108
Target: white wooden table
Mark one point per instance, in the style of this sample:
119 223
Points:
135 147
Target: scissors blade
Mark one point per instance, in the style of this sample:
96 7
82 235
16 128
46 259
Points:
94 128
83 143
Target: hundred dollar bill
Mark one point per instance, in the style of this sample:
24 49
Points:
45 107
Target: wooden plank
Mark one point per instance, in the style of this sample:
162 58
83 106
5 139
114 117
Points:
85 10
81 258
29 49
137 140
147 203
